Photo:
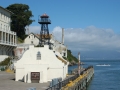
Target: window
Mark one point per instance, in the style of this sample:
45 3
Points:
29 36
4 27
38 56
8 27
4 16
31 42
64 54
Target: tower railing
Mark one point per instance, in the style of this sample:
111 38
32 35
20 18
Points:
44 20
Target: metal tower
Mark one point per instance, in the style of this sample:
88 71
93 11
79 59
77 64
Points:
44 33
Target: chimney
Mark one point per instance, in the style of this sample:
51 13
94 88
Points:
62 35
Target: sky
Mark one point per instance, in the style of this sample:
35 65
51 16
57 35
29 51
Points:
91 27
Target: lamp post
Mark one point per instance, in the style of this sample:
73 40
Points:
79 63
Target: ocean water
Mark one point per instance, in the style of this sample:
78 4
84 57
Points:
105 77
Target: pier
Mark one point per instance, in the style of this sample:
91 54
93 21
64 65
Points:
75 82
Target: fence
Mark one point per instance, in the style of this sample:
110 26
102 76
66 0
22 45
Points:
2 68
61 84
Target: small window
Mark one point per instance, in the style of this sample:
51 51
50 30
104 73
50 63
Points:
64 54
29 36
31 42
38 56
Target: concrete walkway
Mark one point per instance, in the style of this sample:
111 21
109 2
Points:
7 82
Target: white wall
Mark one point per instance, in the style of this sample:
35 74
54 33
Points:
60 48
49 64
5 19
31 38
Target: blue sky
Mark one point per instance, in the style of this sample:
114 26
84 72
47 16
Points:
91 26
75 13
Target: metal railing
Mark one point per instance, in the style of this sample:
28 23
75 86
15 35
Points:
61 84
7 42
7 31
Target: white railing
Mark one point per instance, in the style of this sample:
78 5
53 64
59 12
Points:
7 31
23 45
7 43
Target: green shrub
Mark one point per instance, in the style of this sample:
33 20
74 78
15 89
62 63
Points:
6 61
70 57
20 40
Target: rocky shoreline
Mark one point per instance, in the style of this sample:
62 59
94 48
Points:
75 63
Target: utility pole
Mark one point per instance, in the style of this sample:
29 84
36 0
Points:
79 63
62 35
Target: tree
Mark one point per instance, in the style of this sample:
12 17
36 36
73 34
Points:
21 17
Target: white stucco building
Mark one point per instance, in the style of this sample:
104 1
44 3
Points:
48 63
7 37
56 45
32 39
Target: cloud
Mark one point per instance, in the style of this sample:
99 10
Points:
89 39
92 42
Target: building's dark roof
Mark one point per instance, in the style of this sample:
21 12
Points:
7 10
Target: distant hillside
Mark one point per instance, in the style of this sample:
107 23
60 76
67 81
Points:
72 59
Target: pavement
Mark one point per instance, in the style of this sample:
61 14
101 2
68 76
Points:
7 82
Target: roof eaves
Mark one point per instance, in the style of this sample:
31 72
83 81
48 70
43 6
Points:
61 59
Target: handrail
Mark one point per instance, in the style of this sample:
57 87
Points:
7 42
61 84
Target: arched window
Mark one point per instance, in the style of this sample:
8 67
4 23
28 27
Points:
38 55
